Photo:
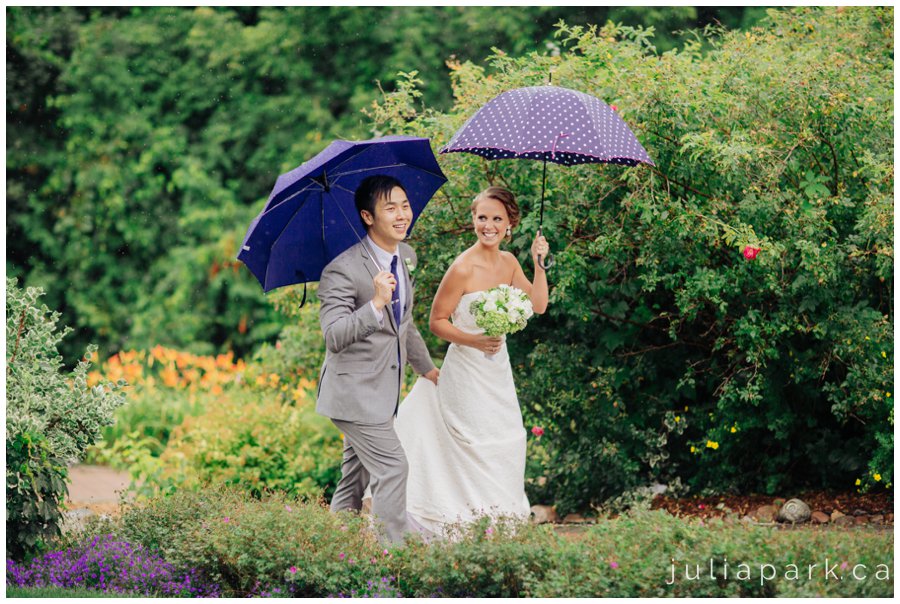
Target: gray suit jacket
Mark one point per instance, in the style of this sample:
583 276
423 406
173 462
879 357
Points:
360 378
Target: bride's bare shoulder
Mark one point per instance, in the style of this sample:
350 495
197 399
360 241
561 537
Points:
509 259
462 266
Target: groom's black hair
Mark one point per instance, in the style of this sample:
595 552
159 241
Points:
370 190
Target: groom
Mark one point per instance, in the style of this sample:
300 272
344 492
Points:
366 317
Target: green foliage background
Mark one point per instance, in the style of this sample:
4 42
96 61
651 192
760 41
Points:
141 142
666 355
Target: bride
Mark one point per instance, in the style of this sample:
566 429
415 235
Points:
464 438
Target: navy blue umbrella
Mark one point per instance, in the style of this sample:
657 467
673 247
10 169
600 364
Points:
310 217
549 123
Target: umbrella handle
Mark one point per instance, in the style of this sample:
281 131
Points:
547 262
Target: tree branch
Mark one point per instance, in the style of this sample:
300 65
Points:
684 186
18 337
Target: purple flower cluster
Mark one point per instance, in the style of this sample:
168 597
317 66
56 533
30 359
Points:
384 588
108 565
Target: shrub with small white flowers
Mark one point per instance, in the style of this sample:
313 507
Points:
51 418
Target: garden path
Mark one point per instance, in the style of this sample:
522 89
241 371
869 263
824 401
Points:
96 490
93 491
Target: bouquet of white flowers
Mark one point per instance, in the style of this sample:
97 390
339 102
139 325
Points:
501 310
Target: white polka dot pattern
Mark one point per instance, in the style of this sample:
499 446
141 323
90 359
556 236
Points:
549 123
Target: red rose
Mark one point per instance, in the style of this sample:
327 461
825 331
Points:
750 252
537 431
613 107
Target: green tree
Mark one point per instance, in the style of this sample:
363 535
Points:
143 141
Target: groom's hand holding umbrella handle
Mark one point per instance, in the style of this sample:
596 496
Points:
384 283
540 251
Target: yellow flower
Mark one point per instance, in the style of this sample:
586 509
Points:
711 444
824 244
887 394
685 407
858 482
733 429
677 419
877 477
693 449
883 354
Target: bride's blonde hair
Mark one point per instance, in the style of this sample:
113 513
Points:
505 197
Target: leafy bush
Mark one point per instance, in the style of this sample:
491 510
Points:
280 546
192 419
51 418
666 353
259 439
35 492
249 546
300 349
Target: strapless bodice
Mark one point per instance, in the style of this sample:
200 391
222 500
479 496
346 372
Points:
462 317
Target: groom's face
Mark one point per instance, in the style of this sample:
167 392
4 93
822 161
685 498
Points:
391 221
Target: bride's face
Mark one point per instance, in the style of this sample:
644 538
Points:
491 221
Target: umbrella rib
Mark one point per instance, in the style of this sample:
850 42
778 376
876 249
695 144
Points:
362 170
337 173
351 157
343 188
286 199
286 222
283 229
352 228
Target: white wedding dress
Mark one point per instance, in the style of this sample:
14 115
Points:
464 438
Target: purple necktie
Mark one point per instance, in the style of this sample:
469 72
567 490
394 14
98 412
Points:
395 295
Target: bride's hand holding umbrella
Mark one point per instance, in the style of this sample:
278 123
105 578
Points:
539 249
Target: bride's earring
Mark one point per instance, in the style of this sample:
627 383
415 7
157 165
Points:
508 231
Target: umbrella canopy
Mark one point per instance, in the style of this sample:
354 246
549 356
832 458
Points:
549 123
310 216
552 124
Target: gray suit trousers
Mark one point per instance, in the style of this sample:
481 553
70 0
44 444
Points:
374 456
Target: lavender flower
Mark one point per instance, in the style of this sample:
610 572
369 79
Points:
108 565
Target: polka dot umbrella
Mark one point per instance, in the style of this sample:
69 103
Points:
549 123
